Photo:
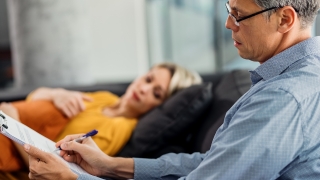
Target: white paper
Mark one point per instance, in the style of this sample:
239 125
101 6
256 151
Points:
22 134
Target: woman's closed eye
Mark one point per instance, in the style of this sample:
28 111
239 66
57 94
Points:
157 94
148 79
157 90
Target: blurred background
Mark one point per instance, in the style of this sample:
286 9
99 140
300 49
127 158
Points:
88 42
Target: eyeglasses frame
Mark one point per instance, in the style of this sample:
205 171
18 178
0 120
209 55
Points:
246 17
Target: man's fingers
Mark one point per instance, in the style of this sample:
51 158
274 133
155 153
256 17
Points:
68 138
71 145
78 147
31 176
69 156
33 161
35 153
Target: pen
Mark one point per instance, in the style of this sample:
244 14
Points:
80 139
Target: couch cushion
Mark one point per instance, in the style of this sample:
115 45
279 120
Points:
232 86
159 127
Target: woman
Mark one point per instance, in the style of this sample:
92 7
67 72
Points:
115 118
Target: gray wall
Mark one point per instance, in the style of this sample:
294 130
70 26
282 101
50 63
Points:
4 31
77 42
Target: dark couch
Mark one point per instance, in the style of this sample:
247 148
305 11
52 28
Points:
186 122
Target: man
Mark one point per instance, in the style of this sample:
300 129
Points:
272 132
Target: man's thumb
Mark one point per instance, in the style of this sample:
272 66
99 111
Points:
70 146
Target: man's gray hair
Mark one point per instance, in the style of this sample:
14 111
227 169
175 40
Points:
306 9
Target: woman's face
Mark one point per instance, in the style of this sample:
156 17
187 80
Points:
148 90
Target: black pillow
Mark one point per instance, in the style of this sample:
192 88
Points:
164 123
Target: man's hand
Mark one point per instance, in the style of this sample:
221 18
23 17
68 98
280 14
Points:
10 110
47 166
87 155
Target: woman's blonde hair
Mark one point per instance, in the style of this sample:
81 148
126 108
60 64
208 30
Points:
180 77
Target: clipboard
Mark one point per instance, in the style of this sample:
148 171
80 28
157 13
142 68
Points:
4 128
22 134
3 122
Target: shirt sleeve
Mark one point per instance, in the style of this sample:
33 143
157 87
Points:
257 141
169 166
87 177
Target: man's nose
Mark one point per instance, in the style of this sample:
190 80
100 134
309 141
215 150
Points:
230 24
227 24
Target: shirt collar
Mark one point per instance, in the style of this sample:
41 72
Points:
280 62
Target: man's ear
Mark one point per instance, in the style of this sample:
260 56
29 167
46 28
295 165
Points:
287 18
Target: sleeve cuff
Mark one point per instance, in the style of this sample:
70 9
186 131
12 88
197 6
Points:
146 169
87 177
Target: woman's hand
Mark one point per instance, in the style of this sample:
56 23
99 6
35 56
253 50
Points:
87 155
10 110
47 166
68 102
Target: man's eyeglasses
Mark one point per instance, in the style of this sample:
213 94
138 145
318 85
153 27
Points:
236 21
